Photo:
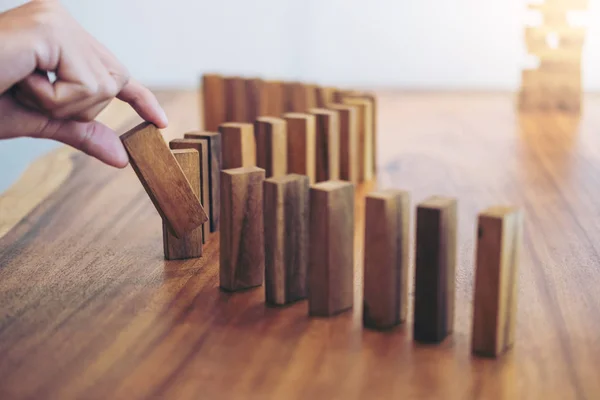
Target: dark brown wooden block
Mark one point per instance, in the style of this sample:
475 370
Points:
190 244
256 99
242 252
302 144
163 179
386 260
349 163
286 215
213 101
331 249
328 144
271 145
435 269
236 99
275 98
499 237
238 145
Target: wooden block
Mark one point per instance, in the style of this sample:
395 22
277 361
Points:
310 96
204 166
271 145
286 221
365 135
499 236
213 143
295 97
374 119
301 144
213 101
386 260
325 96
190 244
163 179
275 98
242 252
435 267
256 98
348 117
238 145
236 99
328 144
331 248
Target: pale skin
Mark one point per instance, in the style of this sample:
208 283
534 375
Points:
40 37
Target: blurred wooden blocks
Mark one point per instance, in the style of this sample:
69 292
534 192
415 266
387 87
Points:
348 117
300 97
242 251
435 269
373 99
301 144
256 99
499 236
387 220
236 99
286 215
271 145
213 101
238 145
310 96
213 143
328 144
275 98
325 96
365 135
190 244
162 178
331 249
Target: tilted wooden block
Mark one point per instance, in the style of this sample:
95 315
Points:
387 221
328 144
213 143
236 99
271 145
238 145
331 249
275 98
242 252
163 179
499 236
365 135
213 101
190 244
348 117
435 269
302 144
286 215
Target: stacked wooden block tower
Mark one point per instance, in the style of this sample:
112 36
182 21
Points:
556 84
275 172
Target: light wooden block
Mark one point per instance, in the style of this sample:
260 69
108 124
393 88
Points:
236 99
271 145
328 144
213 101
349 165
374 121
365 135
238 145
301 144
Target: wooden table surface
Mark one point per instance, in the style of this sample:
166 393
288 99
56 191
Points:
89 309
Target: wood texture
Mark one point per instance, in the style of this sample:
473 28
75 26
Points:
499 237
213 144
271 145
328 144
236 99
286 215
349 162
325 96
163 179
238 145
372 97
330 269
302 144
275 98
256 99
242 253
435 269
190 244
213 101
386 259
365 135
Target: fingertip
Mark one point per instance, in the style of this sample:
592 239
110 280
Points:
162 121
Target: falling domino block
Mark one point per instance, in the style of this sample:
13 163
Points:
286 215
331 248
271 145
328 144
499 236
242 252
348 117
387 218
190 244
365 135
162 178
236 99
435 269
301 144
213 101
238 145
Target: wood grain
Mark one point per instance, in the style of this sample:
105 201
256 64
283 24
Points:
349 162
365 135
372 97
301 144
238 145
236 102
271 145
328 144
275 98
256 99
163 179
213 101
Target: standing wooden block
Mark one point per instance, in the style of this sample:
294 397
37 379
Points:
190 244
374 117
349 166
213 101
256 99
435 269
286 238
242 252
328 144
204 166
238 145
236 99
302 144
331 249
275 98
213 143
296 99
310 96
271 145
365 136
163 179
387 220
325 96
499 236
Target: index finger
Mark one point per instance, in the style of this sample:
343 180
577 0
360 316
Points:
143 101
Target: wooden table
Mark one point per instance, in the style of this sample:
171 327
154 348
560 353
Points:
90 309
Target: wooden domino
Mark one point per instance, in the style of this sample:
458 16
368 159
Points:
295 97
386 259
275 106
328 144
374 117
213 101
236 99
499 236
256 97
271 145
365 135
325 96
238 145
301 144
163 179
349 165
286 215
242 252
435 269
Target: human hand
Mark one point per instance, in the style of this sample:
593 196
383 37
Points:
41 36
